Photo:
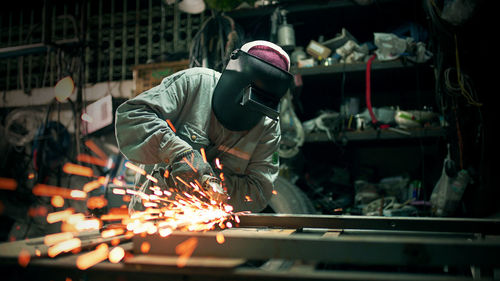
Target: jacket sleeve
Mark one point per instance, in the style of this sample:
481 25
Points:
253 190
142 132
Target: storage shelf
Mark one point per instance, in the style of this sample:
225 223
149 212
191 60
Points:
348 67
384 134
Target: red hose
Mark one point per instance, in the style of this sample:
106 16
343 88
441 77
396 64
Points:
368 94
368 89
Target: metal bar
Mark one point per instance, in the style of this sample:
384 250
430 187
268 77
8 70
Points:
150 30
483 226
35 48
137 21
163 29
111 41
124 40
395 251
99 43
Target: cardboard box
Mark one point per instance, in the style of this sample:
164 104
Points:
317 50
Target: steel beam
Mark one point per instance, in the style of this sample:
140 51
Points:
452 225
393 251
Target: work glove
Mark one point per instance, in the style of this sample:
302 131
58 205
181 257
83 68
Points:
190 167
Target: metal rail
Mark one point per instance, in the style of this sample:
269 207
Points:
383 251
452 225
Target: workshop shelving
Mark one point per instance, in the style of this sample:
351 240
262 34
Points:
380 134
347 67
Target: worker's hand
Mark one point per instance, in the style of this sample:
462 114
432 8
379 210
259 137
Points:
189 167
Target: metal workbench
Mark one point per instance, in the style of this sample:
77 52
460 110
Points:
289 247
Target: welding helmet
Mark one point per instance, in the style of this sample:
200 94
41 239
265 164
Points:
252 85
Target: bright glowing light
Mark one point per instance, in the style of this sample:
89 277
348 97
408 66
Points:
64 88
184 250
220 238
116 255
92 258
52 239
59 216
203 154
8 184
87 118
64 247
24 258
218 164
79 170
135 168
112 232
57 201
91 160
90 144
145 247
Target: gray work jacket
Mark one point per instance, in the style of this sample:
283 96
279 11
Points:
249 158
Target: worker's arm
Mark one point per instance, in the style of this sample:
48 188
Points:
142 132
252 190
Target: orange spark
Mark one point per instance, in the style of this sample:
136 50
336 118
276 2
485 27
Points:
220 238
59 216
181 180
115 241
52 239
23 258
90 144
184 250
91 160
8 184
190 165
145 247
97 202
112 232
202 150
31 176
77 194
218 164
135 168
38 253
64 247
248 199
166 174
116 255
92 258
151 178
118 182
88 187
275 192
37 212
171 125
119 191
57 201
74 169
221 176
50 190
90 224
164 232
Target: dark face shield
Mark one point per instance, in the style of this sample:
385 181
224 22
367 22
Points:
248 89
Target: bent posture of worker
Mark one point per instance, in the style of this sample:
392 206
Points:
233 116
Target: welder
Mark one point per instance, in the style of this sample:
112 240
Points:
232 115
